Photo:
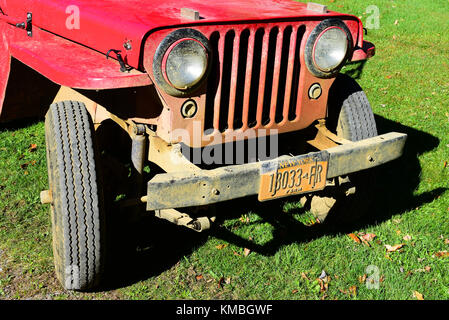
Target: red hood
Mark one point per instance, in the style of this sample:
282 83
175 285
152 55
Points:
108 24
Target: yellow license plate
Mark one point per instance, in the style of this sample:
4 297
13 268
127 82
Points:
305 173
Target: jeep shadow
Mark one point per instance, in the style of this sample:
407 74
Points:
146 246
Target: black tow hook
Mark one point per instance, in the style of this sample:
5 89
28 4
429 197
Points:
123 67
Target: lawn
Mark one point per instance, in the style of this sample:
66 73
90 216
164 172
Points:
277 250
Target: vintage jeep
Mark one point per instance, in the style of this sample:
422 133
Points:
196 88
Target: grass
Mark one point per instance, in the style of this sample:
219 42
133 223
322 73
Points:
408 87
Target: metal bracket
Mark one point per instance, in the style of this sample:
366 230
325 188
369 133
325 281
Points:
28 25
324 138
123 67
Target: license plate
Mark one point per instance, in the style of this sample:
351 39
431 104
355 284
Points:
293 176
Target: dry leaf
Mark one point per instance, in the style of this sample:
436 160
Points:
418 295
323 285
446 241
354 237
246 252
407 238
32 147
199 277
368 236
353 290
237 254
394 248
362 279
221 246
428 268
442 254
295 291
304 276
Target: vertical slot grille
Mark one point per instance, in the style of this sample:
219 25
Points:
254 78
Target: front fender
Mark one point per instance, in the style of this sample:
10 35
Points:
5 64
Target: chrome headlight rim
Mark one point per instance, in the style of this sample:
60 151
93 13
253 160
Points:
315 35
161 55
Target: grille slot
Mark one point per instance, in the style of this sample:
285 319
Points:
254 78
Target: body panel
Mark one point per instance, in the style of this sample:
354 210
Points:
108 24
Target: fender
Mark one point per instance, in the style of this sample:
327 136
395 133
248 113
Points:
5 64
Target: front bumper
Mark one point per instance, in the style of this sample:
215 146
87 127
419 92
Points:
188 189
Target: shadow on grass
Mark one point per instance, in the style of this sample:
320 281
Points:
147 247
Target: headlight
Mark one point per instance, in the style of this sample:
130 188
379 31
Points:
330 49
327 48
181 62
186 64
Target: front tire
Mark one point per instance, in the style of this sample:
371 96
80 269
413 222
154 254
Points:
349 116
77 202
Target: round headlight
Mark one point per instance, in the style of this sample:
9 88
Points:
186 64
181 62
327 48
330 49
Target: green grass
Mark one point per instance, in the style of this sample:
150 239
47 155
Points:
408 87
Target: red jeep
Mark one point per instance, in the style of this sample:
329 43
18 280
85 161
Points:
202 91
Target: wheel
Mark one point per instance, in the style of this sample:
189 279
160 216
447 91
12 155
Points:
77 202
349 116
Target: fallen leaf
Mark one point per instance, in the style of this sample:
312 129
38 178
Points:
304 276
368 236
323 275
246 252
32 147
398 232
199 277
354 237
442 254
221 246
418 295
323 285
228 280
353 290
295 291
428 268
362 279
446 241
407 238
236 253
394 248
